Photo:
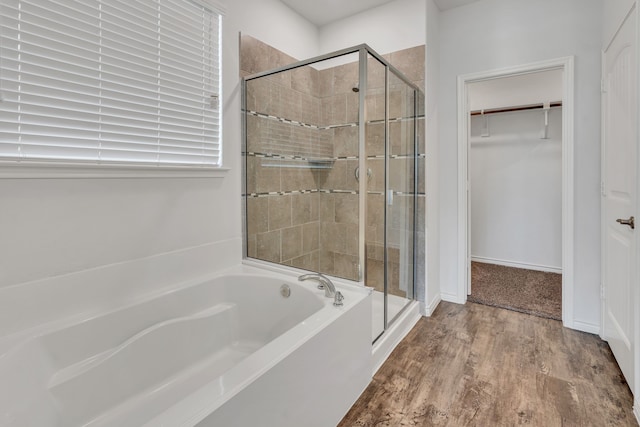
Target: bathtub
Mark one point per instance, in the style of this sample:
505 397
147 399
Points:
230 350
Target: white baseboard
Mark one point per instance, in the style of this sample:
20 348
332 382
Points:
392 336
636 410
427 310
452 298
516 264
584 327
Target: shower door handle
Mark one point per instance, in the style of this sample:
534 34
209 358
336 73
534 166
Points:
357 173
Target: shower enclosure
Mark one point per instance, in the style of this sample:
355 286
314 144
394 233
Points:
331 176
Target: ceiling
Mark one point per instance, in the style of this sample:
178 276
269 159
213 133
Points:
326 11
450 4
322 12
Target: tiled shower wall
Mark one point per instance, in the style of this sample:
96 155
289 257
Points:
303 213
283 223
338 187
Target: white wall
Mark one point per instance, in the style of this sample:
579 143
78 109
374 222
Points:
393 26
432 292
515 181
272 22
613 13
494 34
52 227
525 89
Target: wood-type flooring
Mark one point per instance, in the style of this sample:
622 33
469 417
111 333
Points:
475 365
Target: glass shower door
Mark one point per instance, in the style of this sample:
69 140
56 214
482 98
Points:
400 196
375 154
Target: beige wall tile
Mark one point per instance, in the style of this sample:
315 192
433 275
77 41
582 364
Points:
352 239
345 141
375 214
375 139
326 82
279 212
375 102
257 214
375 74
333 237
401 174
393 255
351 183
301 208
261 179
375 251
252 246
345 77
411 62
325 262
370 233
334 110
268 246
311 237
375 274
401 214
307 262
256 130
345 266
254 55
306 80
376 182
336 176
393 236
292 242
291 104
398 101
310 109
353 106
346 208
314 206
260 96
327 207
402 137
297 178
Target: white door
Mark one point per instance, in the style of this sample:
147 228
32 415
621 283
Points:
619 195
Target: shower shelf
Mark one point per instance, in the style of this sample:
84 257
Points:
301 164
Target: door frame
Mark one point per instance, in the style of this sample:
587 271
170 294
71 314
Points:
464 257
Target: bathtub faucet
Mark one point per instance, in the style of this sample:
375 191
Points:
325 283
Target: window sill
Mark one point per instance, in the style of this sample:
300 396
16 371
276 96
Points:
46 170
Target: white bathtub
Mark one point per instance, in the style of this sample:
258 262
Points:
229 351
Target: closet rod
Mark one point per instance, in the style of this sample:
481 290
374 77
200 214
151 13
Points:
521 108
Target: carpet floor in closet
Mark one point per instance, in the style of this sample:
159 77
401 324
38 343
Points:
527 291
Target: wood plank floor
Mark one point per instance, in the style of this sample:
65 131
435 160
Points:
474 365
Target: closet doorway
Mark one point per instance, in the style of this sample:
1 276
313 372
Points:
515 169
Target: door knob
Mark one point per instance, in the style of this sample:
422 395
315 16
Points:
630 222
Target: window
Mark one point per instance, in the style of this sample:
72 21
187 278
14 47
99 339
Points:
110 82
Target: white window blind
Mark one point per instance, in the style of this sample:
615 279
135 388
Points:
110 81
